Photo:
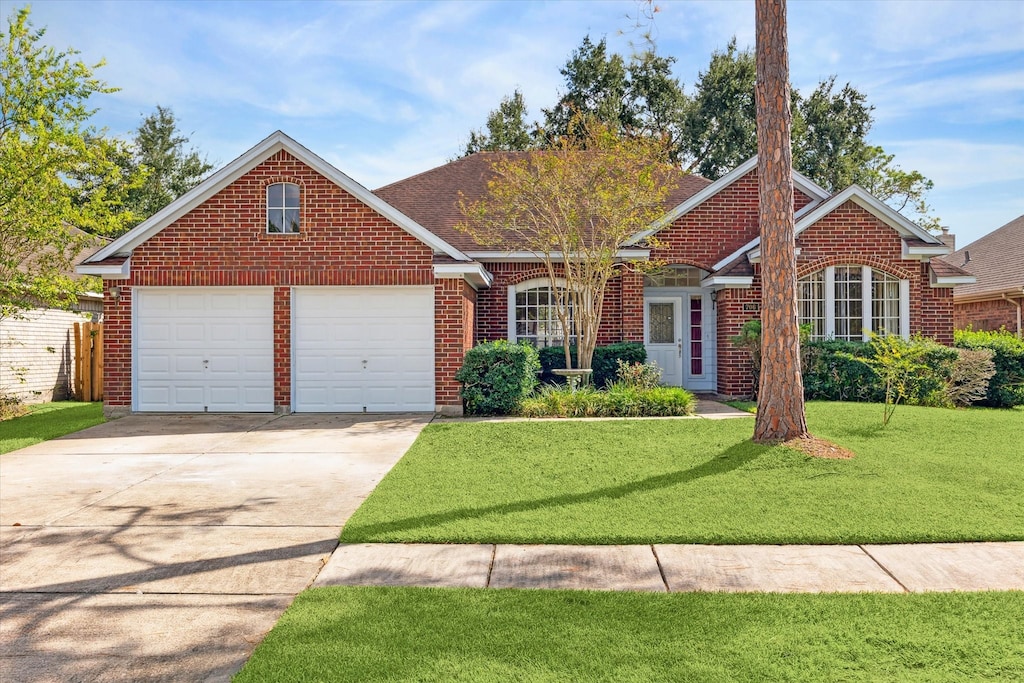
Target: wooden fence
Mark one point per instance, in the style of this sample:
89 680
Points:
89 361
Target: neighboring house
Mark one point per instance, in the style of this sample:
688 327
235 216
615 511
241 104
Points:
279 283
37 346
995 299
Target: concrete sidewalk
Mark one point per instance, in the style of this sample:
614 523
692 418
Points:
911 568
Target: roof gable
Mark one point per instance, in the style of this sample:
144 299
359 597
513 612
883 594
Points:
858 195
265 149
800 182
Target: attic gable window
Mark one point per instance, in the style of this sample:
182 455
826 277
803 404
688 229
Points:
283 208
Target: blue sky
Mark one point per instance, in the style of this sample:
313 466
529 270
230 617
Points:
384 90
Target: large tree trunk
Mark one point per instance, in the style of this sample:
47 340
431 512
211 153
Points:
780 399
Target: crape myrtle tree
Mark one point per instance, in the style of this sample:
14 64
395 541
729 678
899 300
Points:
780 398
59 177
573 206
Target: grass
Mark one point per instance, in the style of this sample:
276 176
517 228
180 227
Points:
47 421
745 406
411 634
932 475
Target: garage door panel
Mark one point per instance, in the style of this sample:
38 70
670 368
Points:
364 348
204 349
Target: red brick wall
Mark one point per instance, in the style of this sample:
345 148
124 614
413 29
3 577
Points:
117 345
848 235
224 242
986 315
617 324
454 301
716 228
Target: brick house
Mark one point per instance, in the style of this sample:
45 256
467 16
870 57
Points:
280 283
995 299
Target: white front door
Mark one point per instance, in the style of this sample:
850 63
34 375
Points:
203 349
363 349
663 337
679 336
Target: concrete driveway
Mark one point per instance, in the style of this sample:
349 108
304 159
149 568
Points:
164 547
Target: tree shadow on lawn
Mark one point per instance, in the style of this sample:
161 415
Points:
732 458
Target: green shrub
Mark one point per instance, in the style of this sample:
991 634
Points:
641 375
605 362
842 370
497 376
618 400
1006 387
831 372
918 371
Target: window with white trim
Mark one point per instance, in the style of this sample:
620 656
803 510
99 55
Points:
533 313
283 208
849 302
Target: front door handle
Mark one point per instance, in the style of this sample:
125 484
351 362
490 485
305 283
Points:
679 345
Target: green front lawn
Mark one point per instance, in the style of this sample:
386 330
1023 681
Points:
931 475
415 634
47 421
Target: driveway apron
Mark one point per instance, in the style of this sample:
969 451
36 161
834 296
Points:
163 547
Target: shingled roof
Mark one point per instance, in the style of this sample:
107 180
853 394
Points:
432 197
996 260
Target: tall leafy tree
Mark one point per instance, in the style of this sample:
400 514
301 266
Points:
720 128
507 129
169 167
829 134
596 87
657 104
780 398
46 148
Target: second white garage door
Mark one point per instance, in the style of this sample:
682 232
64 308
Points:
363 349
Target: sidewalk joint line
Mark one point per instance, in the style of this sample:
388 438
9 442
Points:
884 568
661 569
490 566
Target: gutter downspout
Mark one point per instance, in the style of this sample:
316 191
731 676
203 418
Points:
1017 303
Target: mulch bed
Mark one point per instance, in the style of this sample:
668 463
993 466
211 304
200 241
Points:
818 448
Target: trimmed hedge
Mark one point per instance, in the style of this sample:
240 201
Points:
497 376
618 400
1006 388
605 364
831 372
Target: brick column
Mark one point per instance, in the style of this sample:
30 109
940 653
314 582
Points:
117 350
632 306
282 350
454 311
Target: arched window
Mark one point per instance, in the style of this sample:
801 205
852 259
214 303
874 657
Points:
849 302
533 315
675 276
282 208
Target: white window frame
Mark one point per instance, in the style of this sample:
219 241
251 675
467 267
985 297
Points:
866 302
524 286
283 208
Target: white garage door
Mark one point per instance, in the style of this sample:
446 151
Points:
363 349
203 349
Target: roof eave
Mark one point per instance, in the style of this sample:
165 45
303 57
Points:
474 273
108 271
728 281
